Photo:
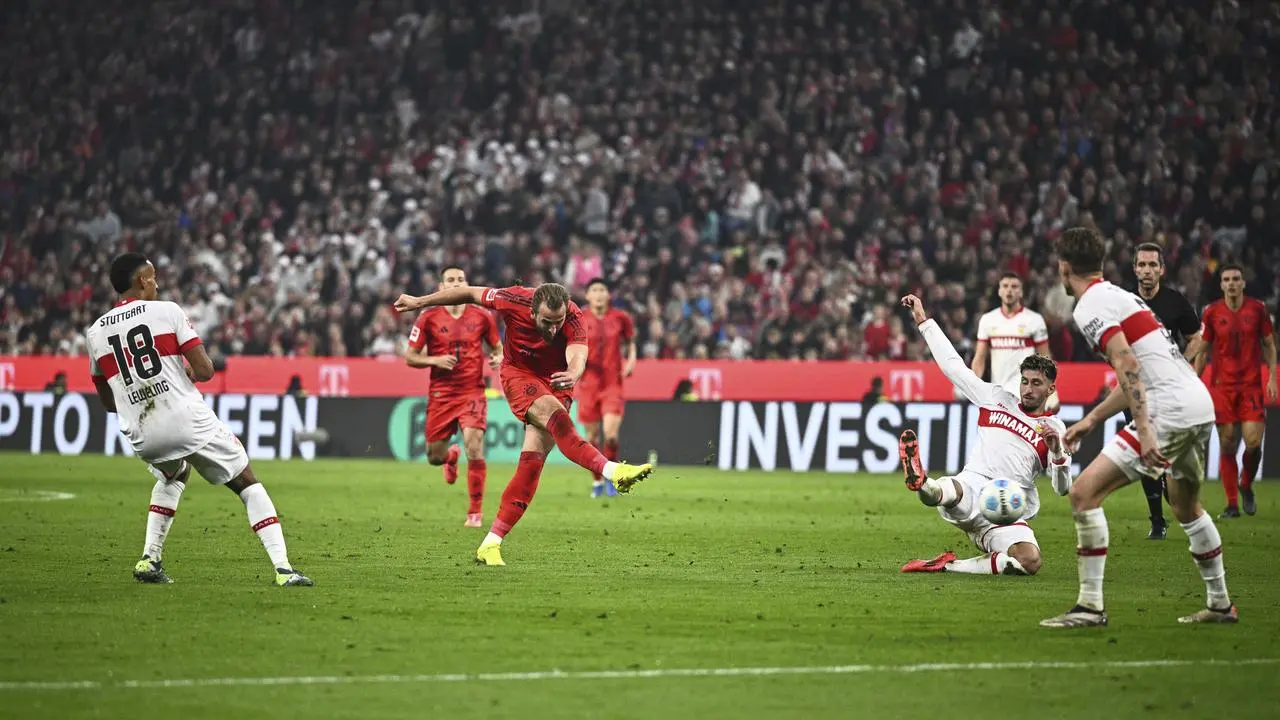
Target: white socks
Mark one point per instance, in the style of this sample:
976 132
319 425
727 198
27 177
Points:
993 564
263 520
1092 538
607 472
938 492
164 504
1206 550
492 538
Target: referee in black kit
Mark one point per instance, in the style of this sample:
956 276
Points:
1177 315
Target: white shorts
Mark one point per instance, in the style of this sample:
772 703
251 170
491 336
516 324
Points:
1184 448
986 535
220 461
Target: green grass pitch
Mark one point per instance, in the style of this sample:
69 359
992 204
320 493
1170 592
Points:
697 571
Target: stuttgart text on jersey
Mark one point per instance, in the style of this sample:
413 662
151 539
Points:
131 313
148 392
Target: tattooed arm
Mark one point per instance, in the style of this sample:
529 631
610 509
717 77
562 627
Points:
1128 372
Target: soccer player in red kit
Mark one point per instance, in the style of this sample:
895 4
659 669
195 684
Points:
544 357
450 341
611 335
1237 331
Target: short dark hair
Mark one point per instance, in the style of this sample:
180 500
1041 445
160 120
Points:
599 281
124 269
1040 364
1227 266
452 266
1149 247
1011 276
1083 249
551 296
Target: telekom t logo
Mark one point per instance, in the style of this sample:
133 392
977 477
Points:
334 380
708 383
906 385
8 376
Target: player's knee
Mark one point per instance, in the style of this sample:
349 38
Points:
474 449
436 456
1081 497
1028 556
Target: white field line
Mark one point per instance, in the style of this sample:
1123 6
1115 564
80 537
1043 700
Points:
37 496
615 674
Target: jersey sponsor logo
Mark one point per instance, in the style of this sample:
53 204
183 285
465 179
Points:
1009 343
996 418
1092 328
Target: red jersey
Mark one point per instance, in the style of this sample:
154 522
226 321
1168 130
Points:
443 334
606 336
1236 337
524 347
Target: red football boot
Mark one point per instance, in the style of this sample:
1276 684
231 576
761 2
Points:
451 465
909 454
938 564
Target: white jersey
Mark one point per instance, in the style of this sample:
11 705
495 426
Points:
1012 339
1176 399
1009 445
137 348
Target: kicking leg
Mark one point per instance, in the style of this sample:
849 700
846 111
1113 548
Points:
171 480
266 524
473 441
518 495
547 413
1103 477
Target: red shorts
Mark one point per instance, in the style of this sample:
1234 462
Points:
449 412
1238 404
523 388
596 401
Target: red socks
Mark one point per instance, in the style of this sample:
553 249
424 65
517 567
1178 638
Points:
1252 458
519 492
475 484
611 450
572 445
1229 472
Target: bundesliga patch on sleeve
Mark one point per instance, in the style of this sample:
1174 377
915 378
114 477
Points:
490 294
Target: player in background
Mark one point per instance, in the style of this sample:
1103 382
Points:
1180 319
611 356
1007 336
136 353
452 342
1017 440
544 357
1172 419
1237 331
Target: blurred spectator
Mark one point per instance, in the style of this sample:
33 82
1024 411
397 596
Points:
759 178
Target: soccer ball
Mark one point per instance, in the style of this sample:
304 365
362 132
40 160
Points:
1002 502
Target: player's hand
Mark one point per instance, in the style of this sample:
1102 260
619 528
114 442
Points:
1051 436
563 381
916 307
628 368
446 362
406 303
1076 433
191 374
1151 456
495 360
1272 390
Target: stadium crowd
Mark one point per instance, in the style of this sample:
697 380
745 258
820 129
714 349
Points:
759 178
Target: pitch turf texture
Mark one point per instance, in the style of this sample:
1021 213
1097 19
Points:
681 589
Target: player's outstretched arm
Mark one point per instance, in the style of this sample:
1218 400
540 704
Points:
945 355
447 296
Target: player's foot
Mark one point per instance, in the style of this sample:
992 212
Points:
938 564
609 489
1230 616
288 577
451 464
626 476
150 571
1232 511
474 520
1158 529
1249 502
1077 617
489 553
909 454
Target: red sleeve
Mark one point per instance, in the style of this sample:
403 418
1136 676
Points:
508 299
491 331
418 335
628 327
1206 324
575 333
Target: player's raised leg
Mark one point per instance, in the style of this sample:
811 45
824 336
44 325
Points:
519 493
1229 469
473 441
547 412
1103 477
171 480
442 425
1252 433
